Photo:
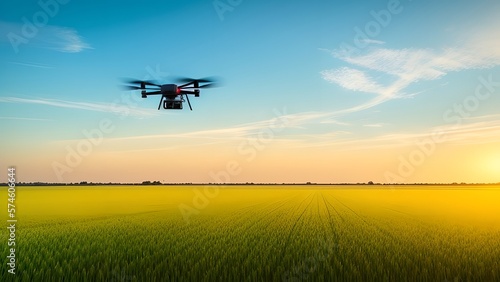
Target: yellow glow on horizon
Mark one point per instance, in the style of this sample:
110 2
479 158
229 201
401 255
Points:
493 165
277 161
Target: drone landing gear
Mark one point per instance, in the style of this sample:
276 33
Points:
189 103
161 100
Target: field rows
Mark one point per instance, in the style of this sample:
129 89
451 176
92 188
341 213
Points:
256 234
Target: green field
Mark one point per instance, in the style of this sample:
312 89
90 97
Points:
255 233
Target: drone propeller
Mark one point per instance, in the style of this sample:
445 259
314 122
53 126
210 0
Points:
145 82
131 87
140 84
199 80
191 83
210 85
189 86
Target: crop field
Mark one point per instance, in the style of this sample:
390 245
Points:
255 233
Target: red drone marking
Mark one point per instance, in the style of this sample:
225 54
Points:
178 91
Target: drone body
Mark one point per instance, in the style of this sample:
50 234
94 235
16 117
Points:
172 95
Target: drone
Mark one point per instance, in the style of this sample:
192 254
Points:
172 95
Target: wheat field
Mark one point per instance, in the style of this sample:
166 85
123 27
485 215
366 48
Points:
256 233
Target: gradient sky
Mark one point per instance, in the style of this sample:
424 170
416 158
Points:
323 91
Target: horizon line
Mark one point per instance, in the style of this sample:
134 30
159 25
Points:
158 183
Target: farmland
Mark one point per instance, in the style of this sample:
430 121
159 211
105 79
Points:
249 233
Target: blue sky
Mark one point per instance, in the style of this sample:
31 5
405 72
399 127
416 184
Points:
354 84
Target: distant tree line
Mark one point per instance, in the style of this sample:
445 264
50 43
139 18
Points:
147 182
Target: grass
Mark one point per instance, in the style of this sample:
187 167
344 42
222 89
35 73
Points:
137 233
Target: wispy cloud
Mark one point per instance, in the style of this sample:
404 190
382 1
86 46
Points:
374 125
401 68
360 107
477 130
27 119
31 64
352 79
271 128
97 107
373 41
66 40
334 121
419 64
57 38
242 131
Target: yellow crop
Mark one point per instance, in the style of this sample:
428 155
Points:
257 233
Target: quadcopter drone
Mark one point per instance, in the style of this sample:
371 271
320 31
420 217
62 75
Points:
172 95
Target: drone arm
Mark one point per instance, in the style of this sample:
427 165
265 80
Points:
188 92
152 93
187 84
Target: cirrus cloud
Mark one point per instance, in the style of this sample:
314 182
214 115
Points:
57 38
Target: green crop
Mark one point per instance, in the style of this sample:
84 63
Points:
260 234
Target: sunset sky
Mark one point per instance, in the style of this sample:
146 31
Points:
324 91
